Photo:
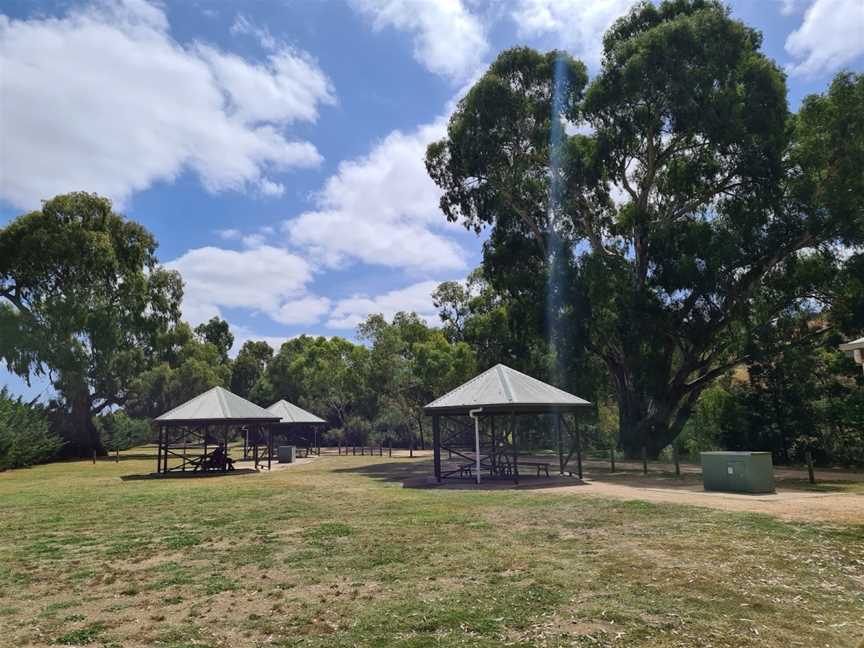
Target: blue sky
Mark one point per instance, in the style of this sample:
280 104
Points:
275 148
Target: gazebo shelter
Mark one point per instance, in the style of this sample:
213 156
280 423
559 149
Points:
493 400
856 348
296 424
187 431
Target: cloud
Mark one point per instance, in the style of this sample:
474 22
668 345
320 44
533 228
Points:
577 25
448 39
243 334
245 27
262 279
381 209
104 99
306 310
417 298
789 7
831 35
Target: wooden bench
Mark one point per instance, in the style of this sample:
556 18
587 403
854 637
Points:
539 465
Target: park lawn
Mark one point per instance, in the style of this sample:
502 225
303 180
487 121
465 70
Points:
335 553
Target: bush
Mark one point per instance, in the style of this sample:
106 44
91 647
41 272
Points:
121 432
25 438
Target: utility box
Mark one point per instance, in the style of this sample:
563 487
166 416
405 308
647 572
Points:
287 454
738 472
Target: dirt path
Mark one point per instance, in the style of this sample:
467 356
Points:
844 508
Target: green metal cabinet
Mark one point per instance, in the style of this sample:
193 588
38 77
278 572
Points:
287 454
738 472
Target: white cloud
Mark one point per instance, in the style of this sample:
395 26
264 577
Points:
243 334
262 279
348 313
243 26
448 39
104 99
381 209
578 25
789 7
306 310
830 36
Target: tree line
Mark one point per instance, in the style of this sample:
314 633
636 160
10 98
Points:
668 240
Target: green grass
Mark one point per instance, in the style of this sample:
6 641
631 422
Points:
335 553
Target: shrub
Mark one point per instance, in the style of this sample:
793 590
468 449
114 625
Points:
25 438
121 432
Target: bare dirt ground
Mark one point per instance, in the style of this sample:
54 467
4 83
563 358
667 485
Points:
787 504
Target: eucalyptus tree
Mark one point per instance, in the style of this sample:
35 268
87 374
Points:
249 366
671 215
83 301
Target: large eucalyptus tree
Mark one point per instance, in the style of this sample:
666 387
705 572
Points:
671 215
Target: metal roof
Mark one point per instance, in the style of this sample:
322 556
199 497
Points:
290 413
502 389
215 405
854 344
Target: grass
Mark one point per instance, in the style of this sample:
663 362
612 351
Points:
334 553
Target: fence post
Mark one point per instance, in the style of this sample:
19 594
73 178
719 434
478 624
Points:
675 459
612 459
644 460
809 456
390 449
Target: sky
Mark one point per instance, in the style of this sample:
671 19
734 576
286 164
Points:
275 149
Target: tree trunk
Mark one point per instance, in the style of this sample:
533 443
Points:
83 437
638 429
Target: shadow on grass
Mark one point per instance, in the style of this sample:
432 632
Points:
391 471
420 475
189 475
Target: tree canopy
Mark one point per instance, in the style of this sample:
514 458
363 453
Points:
83 301
671 217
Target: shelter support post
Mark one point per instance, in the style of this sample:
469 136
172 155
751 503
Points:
578 444
515 444
560 442
159 449
436 446
269 447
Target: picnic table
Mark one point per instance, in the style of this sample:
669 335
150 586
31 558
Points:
505 468
207 462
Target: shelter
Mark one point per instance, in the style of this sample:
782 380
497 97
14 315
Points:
296 424
497 396
856 348
186 432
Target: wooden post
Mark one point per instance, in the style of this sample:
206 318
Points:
436 446
578 445
560 443
644 460
94 456
353 451
515 448
612 459
411 447
389 447
675 459
493 455
159 450
809 457
116 454
269 447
